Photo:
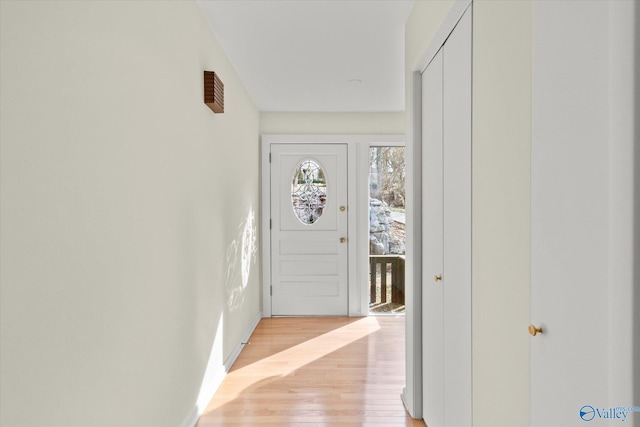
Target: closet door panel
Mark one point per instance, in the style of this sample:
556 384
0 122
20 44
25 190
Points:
457 225
570 196
446 239
432 291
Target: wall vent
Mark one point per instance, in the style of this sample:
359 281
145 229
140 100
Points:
213 92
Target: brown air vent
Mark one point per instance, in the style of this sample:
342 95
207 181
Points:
213 92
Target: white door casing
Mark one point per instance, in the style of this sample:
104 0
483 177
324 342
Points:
309 262
357 210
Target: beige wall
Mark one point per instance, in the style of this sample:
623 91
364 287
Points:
422 25
333 123
123 201
501 197
502 55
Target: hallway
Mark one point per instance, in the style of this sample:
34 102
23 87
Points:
316 372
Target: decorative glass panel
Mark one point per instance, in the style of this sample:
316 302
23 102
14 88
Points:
308 191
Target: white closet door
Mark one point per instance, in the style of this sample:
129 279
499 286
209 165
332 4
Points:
570 197
457 225
432 291
446 240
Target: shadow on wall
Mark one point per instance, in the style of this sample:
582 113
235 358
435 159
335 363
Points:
241 255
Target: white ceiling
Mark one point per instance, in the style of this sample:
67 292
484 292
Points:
300 55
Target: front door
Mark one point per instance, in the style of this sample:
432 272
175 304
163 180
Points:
309 262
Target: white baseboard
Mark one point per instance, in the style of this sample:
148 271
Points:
406 401
238 348
192 418
404 398
213 386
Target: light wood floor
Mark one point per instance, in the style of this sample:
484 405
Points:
316 372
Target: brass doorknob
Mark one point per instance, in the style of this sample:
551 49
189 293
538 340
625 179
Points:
342 209
343 239
534 330
437 278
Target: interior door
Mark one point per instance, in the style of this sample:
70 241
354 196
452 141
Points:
432 220
456 276
309 265
570 285
446 207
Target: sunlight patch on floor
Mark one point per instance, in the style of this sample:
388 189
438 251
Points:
290 360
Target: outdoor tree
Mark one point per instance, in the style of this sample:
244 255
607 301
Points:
389 176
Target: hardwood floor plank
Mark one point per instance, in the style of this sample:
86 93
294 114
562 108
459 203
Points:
316 372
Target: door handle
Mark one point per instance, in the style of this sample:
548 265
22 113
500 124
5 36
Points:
437 278
343 239
534 330
342 209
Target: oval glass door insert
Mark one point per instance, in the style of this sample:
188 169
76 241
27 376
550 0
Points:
308 191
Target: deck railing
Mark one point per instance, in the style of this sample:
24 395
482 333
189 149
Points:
380 267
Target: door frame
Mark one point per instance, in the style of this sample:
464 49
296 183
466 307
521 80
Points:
357 210
412 393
